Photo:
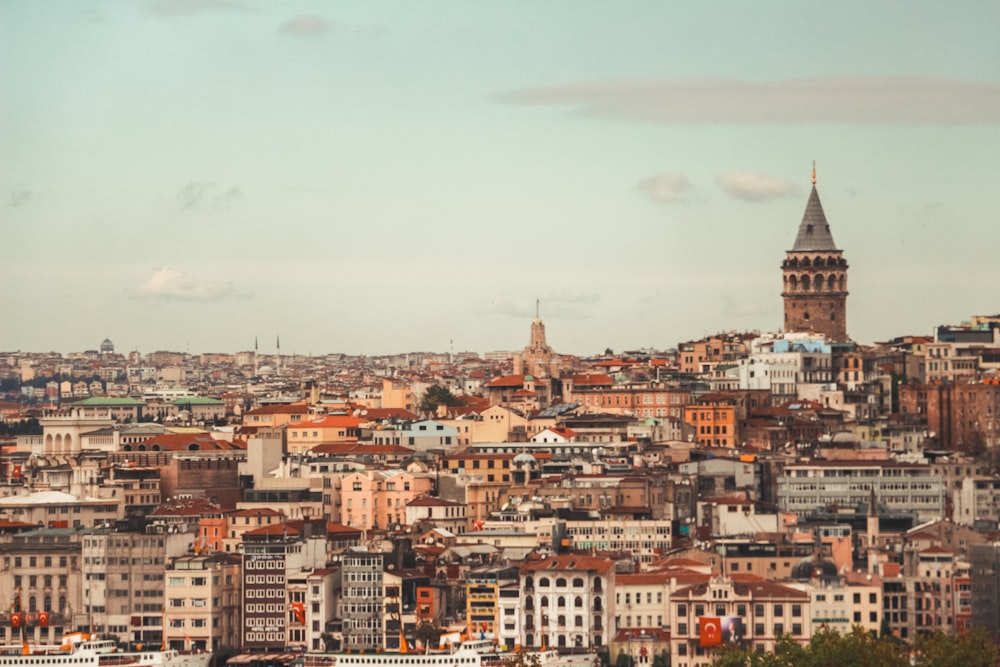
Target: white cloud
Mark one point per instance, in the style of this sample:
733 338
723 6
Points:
306 24
666 187
169 284
845 99
207 195
562 305
174 8
19 198
750 186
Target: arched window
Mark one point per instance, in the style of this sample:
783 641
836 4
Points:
805 260
47 603
793 283
597 604
32 603
578 583
597 584
805 283
62 603
529 603
543 601
578 602
818 285
578 621
529 583
543 582
560 583
560 601
561 621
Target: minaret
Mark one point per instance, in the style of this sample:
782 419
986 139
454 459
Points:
256 367
815 277
872 533
277 359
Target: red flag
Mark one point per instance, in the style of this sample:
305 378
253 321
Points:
43 619
15 620
709 631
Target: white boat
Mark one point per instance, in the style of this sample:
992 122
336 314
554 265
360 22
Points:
95 653
468 653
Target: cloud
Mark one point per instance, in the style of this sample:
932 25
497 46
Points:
563 305
19 198
207 195
175 8
918 100
171 285
305 24
666 188
749 186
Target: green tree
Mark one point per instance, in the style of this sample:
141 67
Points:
969 649
438 395
428 634
827 648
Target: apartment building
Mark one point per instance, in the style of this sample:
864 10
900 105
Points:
203 602
567 601
43 566
900 487
361 606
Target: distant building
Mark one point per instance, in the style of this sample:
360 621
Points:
815 277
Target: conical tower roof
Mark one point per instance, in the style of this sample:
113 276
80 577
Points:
814 232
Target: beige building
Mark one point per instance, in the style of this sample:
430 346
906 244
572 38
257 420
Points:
123 582
203 602
766 610
45 566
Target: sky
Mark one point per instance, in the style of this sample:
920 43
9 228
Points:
380 177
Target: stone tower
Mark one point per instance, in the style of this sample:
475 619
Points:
815 277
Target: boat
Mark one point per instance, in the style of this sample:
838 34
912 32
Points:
78 650
463 653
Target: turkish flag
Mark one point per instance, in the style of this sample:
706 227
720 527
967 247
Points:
15 620
709 631
43 619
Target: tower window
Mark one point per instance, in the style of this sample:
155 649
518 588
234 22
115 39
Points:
805 316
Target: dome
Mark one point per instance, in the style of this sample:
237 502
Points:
814 568
524 457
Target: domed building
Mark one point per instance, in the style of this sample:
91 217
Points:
815 567
107 347
524 468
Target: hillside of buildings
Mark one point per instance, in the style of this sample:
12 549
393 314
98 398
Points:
767 486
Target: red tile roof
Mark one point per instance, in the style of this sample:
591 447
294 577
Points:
507 381
280 409
570 562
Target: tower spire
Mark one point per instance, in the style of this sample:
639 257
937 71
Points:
814 172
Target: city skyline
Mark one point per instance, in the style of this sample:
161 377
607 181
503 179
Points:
380 177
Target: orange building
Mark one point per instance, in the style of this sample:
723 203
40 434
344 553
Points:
273 416
331 428
714 423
